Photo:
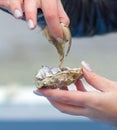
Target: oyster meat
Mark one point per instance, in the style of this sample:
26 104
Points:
60 45
56 78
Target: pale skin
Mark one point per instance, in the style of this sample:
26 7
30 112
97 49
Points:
52 9
97 105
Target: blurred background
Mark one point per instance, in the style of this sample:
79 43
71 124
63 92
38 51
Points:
22 53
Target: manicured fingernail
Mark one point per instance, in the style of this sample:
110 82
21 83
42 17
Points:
60 40
30 24
37 93
86 66
17 14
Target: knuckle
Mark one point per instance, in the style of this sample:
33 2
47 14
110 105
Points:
50 16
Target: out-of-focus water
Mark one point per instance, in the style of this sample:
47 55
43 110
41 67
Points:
53 125
22 110
22 53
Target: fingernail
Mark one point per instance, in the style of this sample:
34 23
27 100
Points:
37 93
17 14
85 65
60 40
30 24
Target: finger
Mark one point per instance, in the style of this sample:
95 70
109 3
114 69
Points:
80 86
68 97
95 80
50 11
15 6
4 3
69 109
31 13
63 18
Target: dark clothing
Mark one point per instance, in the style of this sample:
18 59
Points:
88 17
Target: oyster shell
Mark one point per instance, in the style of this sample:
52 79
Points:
60 45
56 77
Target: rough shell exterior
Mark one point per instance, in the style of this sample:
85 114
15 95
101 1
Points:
63 77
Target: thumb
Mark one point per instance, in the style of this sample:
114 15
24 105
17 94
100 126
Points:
95 80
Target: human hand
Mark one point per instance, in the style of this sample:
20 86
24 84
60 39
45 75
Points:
4 3
98 105
52 9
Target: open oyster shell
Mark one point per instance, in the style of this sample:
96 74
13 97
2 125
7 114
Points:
56 77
